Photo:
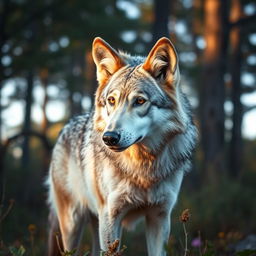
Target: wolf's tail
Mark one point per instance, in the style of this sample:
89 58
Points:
55 246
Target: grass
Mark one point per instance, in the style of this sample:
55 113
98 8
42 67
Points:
199 247
224 213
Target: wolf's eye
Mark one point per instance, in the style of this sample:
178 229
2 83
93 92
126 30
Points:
139 101
111 101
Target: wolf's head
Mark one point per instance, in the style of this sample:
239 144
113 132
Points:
138 99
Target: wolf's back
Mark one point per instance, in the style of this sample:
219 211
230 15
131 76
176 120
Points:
74 131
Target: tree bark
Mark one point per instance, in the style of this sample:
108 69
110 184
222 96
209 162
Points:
235 160
212 92
3 38
44 77
29 94
90 72
161 18
27 118
44 80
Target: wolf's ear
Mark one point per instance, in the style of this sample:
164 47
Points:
162 61
107 60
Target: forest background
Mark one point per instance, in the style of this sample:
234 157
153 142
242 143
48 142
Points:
47 75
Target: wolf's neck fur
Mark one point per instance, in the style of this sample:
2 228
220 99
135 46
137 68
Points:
146 166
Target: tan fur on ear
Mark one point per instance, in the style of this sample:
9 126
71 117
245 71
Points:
162 61
107 60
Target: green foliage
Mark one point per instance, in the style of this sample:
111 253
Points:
209 249
209 253
220 207
56 20
17 251
69 253
246 253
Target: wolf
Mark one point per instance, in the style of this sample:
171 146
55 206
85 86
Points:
127 158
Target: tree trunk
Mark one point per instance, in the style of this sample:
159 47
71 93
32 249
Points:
29 95
235 161
3 37
161 18
44 76
197 25
90 73
44 80
212 92
27 119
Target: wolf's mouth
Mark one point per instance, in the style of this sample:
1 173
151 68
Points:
120 149
138 139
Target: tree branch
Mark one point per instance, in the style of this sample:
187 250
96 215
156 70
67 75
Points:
248 89
243 21
248 108
39 135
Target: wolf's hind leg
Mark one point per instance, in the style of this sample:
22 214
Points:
95 235
72 222
71 218
53 247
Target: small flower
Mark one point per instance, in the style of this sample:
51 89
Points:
113 249
32 229
114 246
196 242
185 216
221 235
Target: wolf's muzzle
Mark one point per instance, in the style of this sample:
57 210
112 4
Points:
111 138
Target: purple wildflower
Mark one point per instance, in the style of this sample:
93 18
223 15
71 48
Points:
196 242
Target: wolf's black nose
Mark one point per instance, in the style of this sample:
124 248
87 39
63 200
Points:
111 138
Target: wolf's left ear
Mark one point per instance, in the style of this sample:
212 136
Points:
162 61
107 60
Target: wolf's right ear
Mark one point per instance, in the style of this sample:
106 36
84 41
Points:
107 60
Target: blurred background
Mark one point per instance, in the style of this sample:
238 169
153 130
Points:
47 75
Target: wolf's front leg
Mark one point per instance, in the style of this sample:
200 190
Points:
109 228
110 218
157 232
